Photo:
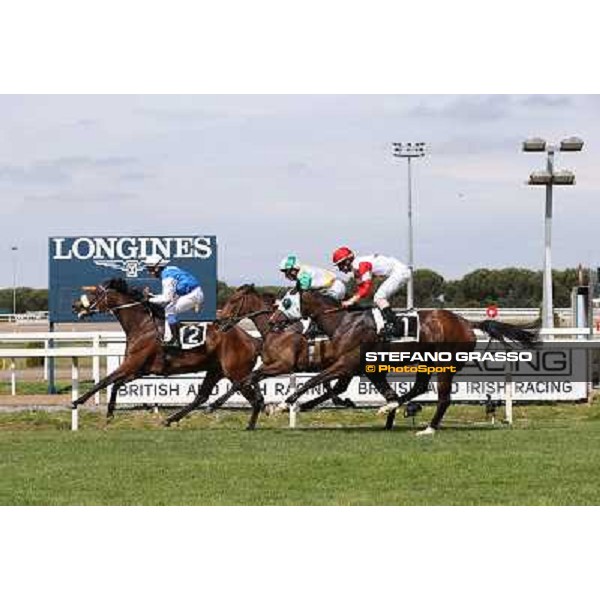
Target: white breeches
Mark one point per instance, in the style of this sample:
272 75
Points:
390 286
337 290
192 301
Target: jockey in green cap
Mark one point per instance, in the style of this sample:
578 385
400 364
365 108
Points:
308 277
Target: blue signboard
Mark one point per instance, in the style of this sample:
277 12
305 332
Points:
82 261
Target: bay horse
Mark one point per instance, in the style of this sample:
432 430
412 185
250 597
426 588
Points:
228 354
438 328
285 349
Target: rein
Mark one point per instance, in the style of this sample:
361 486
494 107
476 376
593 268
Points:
94 306
229 322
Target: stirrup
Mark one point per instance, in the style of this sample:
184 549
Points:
172 343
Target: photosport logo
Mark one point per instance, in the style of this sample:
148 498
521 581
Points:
548 362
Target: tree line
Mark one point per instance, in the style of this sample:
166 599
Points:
511 287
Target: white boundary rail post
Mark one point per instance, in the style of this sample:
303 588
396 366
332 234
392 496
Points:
74 392
508 403
293 413
46 360
96 366
13 377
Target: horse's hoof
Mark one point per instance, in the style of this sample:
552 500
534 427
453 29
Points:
274 409
429 430
388 408
166 423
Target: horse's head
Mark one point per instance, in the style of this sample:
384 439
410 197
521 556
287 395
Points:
245 300
104 298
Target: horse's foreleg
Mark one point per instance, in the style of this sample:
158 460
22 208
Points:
444 389
114 378
251 380
210 380
113 399
340 386
257 401
335 371
236 386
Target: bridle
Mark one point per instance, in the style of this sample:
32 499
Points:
229 322
93 307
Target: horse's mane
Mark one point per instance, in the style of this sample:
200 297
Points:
329 300
249 288
118 284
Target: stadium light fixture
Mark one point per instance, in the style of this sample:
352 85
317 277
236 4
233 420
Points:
550 178
534 145
409 150
572 144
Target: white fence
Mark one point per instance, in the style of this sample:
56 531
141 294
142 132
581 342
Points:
111 344
31 316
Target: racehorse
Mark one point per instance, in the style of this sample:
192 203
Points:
285 349
231 354
441 329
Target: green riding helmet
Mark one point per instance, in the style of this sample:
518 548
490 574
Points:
288 263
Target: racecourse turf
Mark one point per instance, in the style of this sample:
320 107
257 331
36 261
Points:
551 455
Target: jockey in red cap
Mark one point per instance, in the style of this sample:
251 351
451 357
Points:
364 268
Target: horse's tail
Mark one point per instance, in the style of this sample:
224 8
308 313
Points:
526 336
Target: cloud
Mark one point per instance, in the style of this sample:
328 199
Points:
80 198
547 101
38 173
59 170
477 144
480 108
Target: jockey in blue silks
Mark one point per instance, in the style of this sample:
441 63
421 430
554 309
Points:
181 292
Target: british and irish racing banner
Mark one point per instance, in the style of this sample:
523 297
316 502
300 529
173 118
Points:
82 261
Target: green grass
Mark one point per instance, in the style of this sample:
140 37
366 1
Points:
27 388
550 456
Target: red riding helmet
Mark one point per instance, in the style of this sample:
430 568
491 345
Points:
342 254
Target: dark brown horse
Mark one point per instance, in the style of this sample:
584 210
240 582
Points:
438 328
285 349
231 354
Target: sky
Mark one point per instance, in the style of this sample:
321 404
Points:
270 175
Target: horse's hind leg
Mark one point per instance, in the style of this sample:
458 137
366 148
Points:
340 386
419 387
210 380
444 389
256 399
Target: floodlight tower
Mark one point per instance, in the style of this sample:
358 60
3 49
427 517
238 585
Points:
410 150
550 178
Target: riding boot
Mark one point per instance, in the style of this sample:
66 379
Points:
174 341
313 330
389 329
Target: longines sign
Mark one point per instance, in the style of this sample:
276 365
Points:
78 261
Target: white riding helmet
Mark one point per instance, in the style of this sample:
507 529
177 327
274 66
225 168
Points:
155 260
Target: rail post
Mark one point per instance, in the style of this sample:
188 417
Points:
74 392
96 366
508 402
46 360
293 412
51 381
13 377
